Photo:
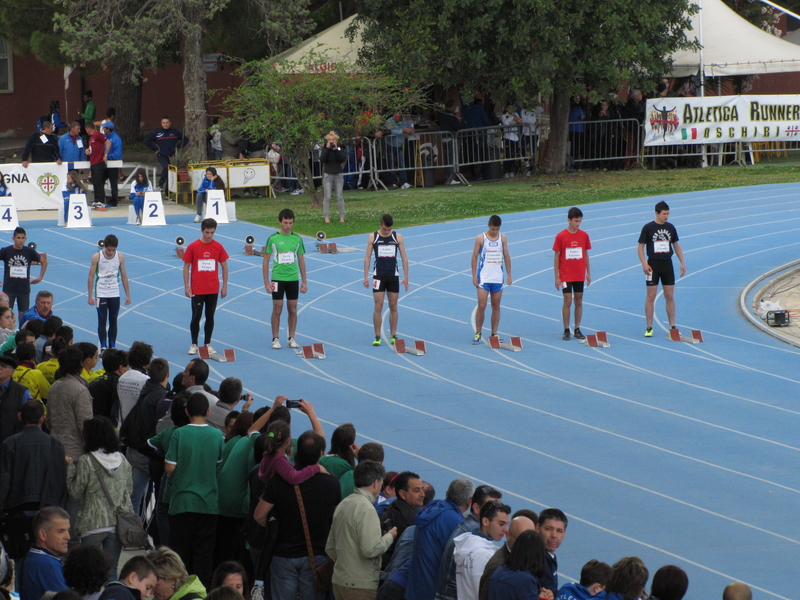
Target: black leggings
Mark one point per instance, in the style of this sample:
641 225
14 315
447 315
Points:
198 302
107 309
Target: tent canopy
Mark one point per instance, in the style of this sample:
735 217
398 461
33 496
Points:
732 46
332 42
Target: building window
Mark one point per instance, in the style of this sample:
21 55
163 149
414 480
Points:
6 68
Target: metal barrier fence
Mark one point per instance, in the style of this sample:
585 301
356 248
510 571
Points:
610 143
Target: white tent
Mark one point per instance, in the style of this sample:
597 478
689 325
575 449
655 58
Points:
332 42
732 46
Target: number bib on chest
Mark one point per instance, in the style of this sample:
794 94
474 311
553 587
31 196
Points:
660 246
387 251
206 264
574 253
285 258
18 272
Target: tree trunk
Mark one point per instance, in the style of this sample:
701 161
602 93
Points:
559 129
125 94
301 163
194 85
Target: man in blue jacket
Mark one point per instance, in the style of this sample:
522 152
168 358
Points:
70 145
433 528
114 153
164 141
552 527
41 569
594 576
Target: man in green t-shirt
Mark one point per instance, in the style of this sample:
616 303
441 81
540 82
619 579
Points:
193 457
288 275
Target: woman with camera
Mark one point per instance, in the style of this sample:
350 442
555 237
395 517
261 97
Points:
332 159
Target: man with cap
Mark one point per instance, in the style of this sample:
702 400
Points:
12 396
114 152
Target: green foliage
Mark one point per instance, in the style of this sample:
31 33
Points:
27 24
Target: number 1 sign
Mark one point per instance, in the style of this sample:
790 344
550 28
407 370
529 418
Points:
215 206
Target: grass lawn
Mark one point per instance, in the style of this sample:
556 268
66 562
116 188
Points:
450 203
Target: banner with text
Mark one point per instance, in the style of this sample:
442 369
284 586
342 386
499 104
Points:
38 187
721 119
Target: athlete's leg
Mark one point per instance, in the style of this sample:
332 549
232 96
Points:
483 296
650 304
277 309
211 308
669 299
496 297
393 296
578 309
565 309
291 308
197 313
102 316
376 313
113 311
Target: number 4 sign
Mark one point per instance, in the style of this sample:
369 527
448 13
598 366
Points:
78 214
153 212
8 214
215 206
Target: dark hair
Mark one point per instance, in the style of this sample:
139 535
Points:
86 568
628 577
18 230
483 492
555 514
595 571
88 350
430 493
230 567
26 351
310 446
208 224
669 583
51 325
177 410
280 414
367 472
402 481
70 362
388 479
140 355
528 554
277 433
371 451
113 359
495 221
165 117
111 112
230 389
110 241
88 93
158 370
99 434
65 331
197 405
67 594
344 436
219 183
230 418
139 565
241 424
55 346
527 513
574 213
142 172
490 509
198 368
31 412
22 335
286 213
387 220
662 206
226 592
35 327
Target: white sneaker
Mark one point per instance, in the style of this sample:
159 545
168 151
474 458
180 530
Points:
198 218
455 182
210 349
293 344
276 344
405 186
193 349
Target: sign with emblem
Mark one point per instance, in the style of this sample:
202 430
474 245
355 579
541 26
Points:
38 187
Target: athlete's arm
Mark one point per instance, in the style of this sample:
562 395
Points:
677 247
224 291
475 251
92 270
588 270
186 288
402 247
43 262
301 262
507 258
645 267
556 261
370 242
124 274
265 271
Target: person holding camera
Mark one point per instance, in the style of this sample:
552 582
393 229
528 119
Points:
332 158
230 393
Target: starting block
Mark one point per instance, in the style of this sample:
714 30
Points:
696 337
327 248
228 355
313 351
248 248
496 344
417 350
598 340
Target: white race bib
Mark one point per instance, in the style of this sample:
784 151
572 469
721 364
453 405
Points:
661 246
574 253
387 251
44 139
207 264
376 284
80 143
494 256
285 258
18 272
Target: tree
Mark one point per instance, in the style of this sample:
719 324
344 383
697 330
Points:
518 49
297 104
137 31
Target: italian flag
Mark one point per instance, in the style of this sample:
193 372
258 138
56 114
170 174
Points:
689 134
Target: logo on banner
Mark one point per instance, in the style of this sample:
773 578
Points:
664 120
48 183
792 130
